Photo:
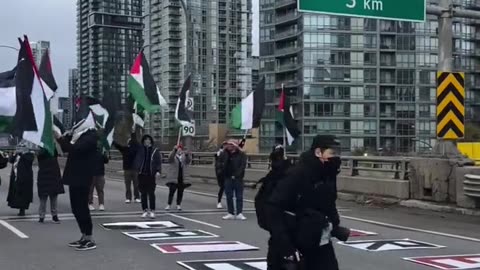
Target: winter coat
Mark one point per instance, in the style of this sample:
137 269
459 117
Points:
20 191
79 169
100 160
173 166
49 178
238 164
309 186
128 152
154 160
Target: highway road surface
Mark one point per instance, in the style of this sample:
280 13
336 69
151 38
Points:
198 239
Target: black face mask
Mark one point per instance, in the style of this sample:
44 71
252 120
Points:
333 164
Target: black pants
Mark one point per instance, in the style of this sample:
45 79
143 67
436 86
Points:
79 204
171 194
274 256
321 258
147 186
221 186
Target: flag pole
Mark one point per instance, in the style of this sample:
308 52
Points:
283 124
179 135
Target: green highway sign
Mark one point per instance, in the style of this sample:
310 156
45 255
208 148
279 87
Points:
400 10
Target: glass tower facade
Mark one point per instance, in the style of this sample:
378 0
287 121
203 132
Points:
370 82
219 36
109 38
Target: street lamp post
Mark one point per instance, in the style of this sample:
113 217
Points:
9 47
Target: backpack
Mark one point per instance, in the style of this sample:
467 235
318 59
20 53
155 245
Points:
263 194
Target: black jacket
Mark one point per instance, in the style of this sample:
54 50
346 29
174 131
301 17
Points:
237 162
128 152
79 169
309 186
49 178
152 161
20 191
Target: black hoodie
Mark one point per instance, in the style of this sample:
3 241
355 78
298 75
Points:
310 185
148 160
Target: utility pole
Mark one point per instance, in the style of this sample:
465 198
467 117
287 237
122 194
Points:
446 13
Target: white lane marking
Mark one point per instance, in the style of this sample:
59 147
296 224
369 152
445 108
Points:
393 226
13 229
196 221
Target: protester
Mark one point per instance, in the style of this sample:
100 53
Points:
20 191
279 165
148 163
178 162
220 177
302 210
98 182
78 174
49 184
130 174
3 160
234 162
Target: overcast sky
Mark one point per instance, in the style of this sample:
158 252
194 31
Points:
54 21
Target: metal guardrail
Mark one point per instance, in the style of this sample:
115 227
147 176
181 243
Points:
471 186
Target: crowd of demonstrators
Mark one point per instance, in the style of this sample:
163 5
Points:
98 182
129 153
301 214
20 191
49 184
231 164
178 162
148 163
81 146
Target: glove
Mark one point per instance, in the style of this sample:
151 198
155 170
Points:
341 233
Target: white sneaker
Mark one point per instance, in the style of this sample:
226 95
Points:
101 207
128 201
228 217
152 215
168 207
91 207
219 206
145 214
241 217
179 207
138 201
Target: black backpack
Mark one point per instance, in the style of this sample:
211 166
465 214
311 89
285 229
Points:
268 184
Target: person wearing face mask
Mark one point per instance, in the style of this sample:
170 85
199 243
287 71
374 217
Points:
178 161
129 153
302 210
148 163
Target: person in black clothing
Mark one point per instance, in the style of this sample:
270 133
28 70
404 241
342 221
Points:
49 184
220 177
178 162
129 153
233 164
20 191
81 147
98 182
148 163
302 210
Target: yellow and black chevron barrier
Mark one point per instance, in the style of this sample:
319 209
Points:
450 105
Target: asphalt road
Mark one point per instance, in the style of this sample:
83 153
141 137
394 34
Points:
43 246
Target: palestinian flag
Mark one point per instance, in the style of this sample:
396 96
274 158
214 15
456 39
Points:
181 113
143 88
58 125
84 117
111 104
24 119
137 112
248 113
46 75
43 136
8 100
285 117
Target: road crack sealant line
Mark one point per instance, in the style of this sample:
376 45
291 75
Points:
373 222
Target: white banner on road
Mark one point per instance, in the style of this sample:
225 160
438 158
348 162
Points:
451 262
174 248
141 225
169 235
386 245
226 264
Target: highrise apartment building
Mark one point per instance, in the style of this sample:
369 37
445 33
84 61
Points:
211 39
38 49
109 36
370 82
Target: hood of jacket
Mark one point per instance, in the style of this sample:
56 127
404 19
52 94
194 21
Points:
148 137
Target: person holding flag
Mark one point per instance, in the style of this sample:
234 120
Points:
178 162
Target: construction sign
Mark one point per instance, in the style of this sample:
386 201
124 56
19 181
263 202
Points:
450 105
